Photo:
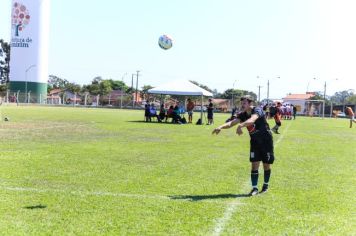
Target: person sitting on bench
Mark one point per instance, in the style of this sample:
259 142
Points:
176 114
162 112
169 113
153 112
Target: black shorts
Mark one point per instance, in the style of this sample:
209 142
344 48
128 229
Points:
261 148
210 115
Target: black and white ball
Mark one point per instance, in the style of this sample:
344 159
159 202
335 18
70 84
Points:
165 42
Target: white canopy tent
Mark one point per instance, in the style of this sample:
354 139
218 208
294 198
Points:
182 88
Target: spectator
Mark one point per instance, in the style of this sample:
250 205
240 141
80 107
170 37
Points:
153 113
147 112
294 111
176 114
190 108
162 112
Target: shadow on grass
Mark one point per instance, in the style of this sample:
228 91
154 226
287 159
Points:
206 197
35 207
153 122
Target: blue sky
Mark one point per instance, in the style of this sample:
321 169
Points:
215 42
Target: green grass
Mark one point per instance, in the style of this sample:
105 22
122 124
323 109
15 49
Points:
72 171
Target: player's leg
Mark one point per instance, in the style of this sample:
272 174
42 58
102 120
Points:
353 120
254 177
278 124
267 162
255 164
266 177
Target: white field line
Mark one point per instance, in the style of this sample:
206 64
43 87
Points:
232 206
47 127
282 135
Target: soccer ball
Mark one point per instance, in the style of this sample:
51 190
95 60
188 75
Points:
6 119
165 42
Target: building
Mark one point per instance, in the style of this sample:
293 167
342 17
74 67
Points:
114 97
54 97
221 104
59 96
298 100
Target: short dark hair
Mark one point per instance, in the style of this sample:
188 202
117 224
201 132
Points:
246 97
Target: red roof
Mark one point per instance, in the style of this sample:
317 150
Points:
220 101
55 91
114 94
54 97
298 96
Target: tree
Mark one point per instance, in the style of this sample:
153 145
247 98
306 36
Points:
73 88
351 100
3 89
97 80
144 91
105 87
21 17
118 85
55 82
4 61
202 86
237 93
98 86
339 98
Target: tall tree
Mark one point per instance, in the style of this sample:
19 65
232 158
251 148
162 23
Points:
202 86
339 98
118 85
144 91
55 82
320 96
98 86
351 100
237 93
4 61
105 87
73 87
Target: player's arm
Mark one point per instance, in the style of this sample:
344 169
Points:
227 125
248 122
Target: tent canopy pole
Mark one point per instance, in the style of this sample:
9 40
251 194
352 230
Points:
201 110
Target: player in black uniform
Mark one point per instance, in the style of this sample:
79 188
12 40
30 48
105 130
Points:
261 143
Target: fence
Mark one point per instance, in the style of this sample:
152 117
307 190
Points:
115 99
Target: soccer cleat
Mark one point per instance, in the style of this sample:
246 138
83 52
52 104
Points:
274 130
264 188
253 192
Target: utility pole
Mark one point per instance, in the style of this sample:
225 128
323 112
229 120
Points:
325 90
137 72
233 92
268 92
277 77
324 100
259 93
132 90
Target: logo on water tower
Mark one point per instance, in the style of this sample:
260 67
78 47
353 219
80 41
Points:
20 18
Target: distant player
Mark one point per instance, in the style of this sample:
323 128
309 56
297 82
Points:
261 143
210 110
351 114
277 114
289 112
294 111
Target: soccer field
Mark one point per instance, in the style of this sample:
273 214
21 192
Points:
104 171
